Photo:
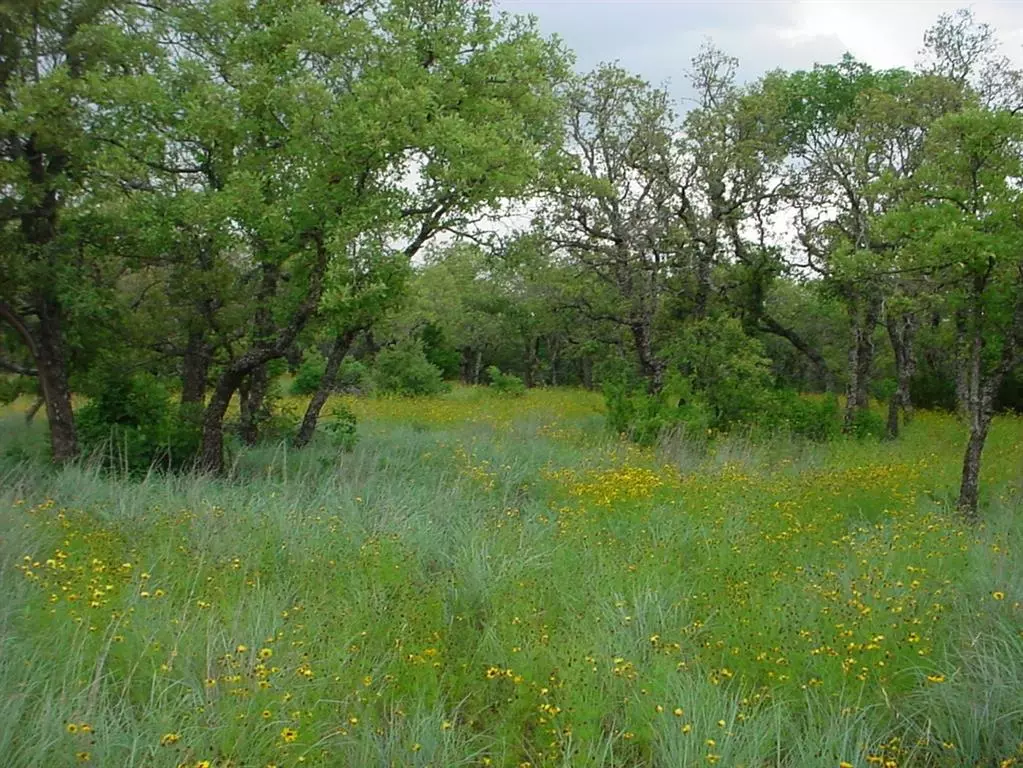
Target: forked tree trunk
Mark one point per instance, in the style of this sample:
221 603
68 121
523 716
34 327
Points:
211 456
338 352
861 361
901 331
253 408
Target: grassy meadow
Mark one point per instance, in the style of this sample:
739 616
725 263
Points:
496 581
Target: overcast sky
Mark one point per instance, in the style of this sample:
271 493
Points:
657 38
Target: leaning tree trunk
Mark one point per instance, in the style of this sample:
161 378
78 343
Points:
211 451
969 487
33 409
211 456
338 352
770 325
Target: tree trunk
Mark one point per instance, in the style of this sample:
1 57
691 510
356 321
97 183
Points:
649 367
969 487
33 409
465 365
195 369
770 325
901 330
338 351
532 359
861 361
53 380
587 372
211 457
254 412
477 366
211 452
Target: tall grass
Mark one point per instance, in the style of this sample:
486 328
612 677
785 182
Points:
495 581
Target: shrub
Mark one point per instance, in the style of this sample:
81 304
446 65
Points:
341 426
505 383
867 423
352 376
814 418
404 370
643 417
727 369
310 374
132 423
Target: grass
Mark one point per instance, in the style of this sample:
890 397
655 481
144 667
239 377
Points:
495 581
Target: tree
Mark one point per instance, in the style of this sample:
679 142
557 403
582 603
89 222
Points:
963 227
59 61
610 211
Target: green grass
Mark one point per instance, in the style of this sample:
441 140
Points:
495 581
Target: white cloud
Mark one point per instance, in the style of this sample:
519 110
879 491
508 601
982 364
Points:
657 38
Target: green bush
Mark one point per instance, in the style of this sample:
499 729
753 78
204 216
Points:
727 369
505 383
643 417
404 370
352 375
132 424
341 426
867 423
813 418
310 374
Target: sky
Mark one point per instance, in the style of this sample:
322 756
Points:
657 38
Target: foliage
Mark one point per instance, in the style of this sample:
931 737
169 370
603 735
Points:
341 425
130 423
505 383
643 417
309 375
404 370
725 366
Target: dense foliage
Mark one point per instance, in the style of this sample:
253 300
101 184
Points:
390 193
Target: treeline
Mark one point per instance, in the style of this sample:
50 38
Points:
210 192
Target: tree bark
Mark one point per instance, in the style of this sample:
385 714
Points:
254 412
901 330
211 452
477 366
33 409
861 360
195 368
969 487
772 326
649 367
46 344
338 352
532 360
211 457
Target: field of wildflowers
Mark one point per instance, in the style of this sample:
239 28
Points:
496 581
